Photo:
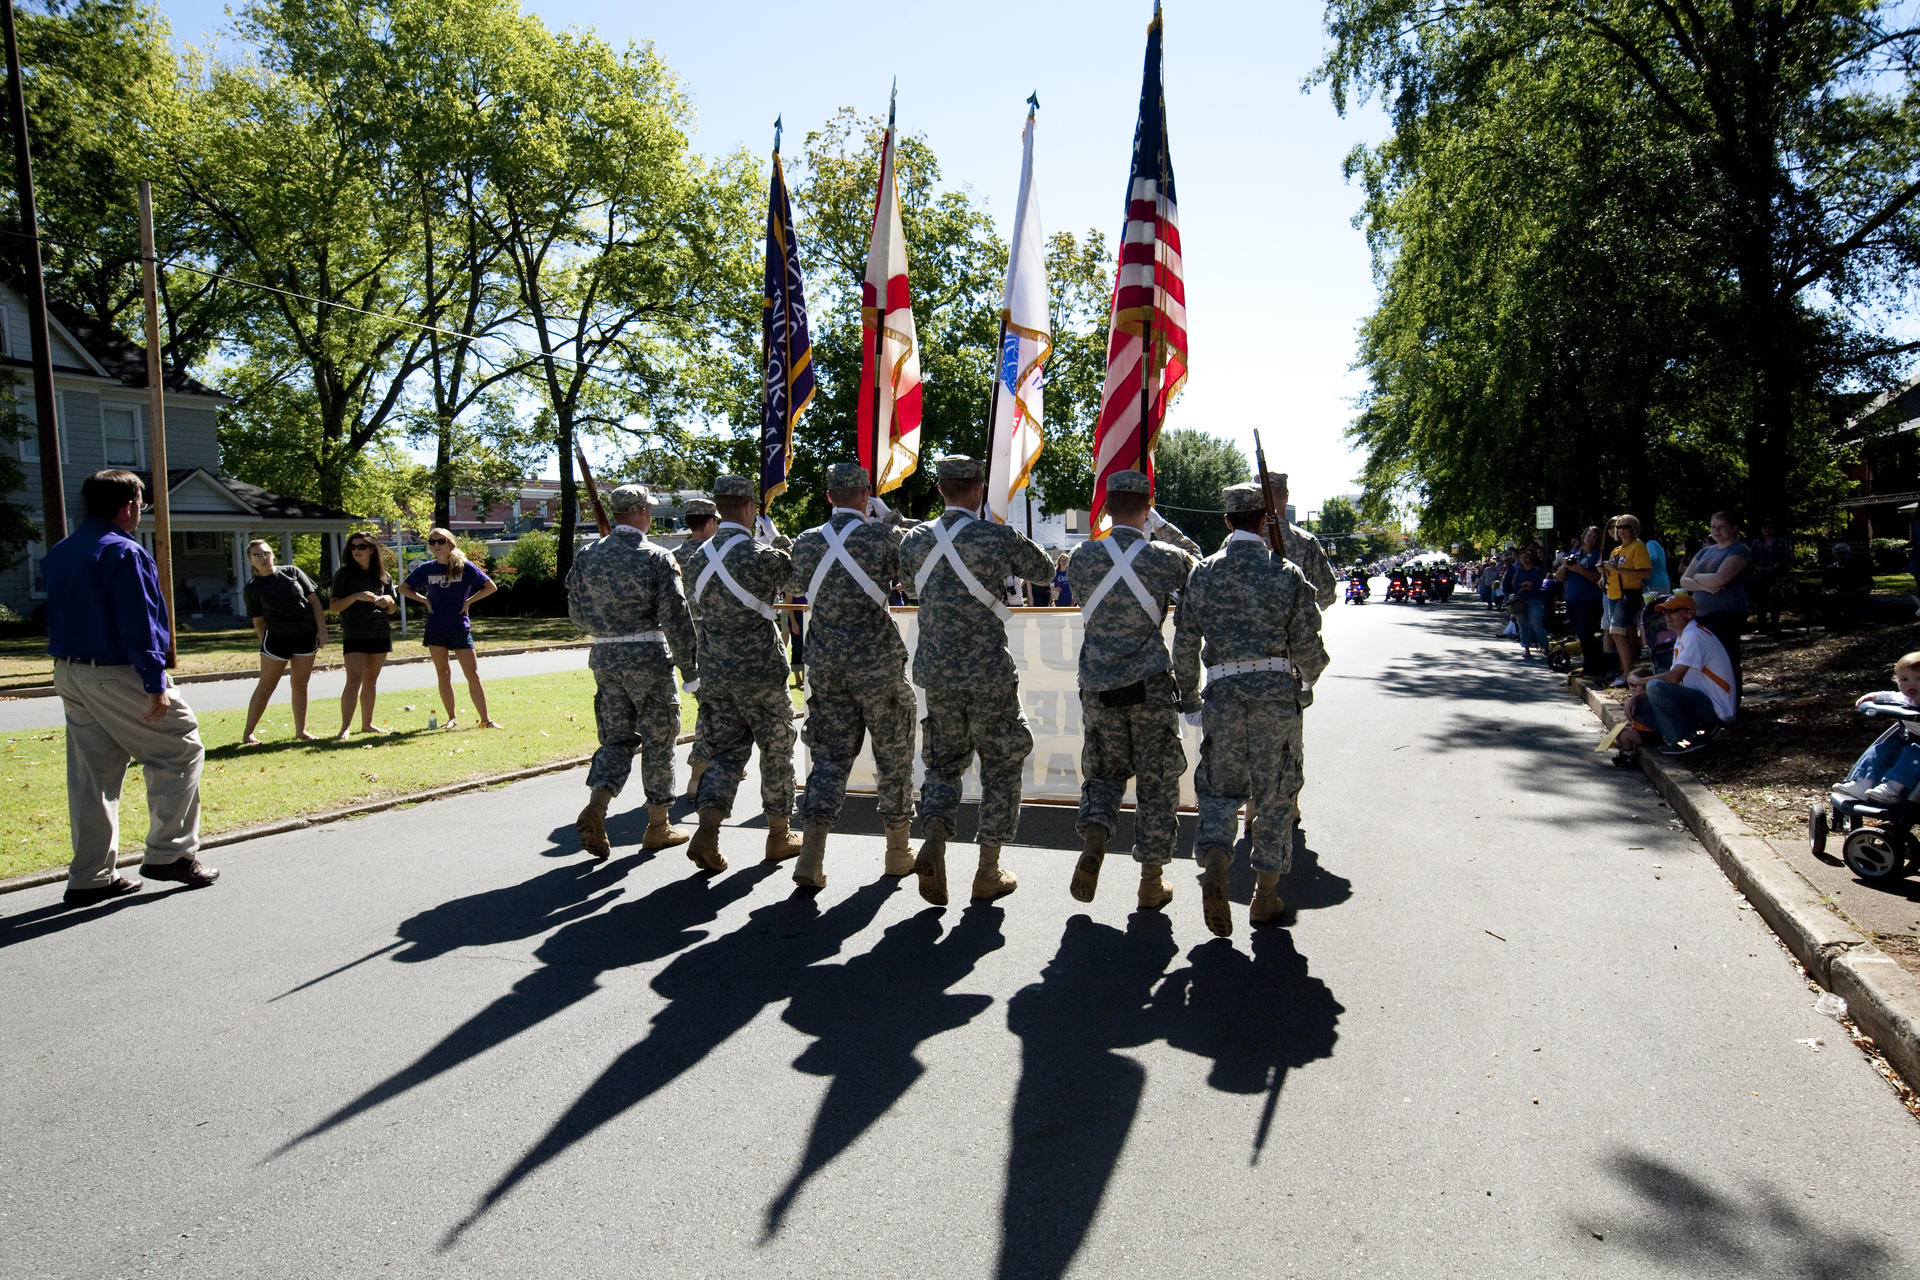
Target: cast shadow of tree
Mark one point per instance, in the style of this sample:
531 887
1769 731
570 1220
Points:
1696 1229
1104 992
869 1016
591 943
712 992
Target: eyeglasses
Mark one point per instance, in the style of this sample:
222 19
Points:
360 546
260 555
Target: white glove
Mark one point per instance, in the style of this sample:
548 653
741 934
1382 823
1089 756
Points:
690 686
878 509
1192 718
1154 519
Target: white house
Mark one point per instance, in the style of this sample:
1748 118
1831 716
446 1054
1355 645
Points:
101 380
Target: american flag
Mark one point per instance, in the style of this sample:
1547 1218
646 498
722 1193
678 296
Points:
1149 297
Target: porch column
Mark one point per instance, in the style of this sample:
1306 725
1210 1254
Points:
241 570
286 548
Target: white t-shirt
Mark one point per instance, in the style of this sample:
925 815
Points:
1708 668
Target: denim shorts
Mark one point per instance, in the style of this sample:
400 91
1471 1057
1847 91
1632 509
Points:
1623 614
447 637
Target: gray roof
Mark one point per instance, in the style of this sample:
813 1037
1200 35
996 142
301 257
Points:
123 359
262 502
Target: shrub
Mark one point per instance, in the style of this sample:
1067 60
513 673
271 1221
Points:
1889 555
535 556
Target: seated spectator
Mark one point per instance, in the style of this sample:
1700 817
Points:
1684 705
1887 774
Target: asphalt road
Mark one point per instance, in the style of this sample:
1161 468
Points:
323 690
1520 1026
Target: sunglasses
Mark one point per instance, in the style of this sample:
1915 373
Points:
438 542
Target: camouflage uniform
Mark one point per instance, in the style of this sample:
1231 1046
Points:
1247 605
1305 550
626 592
1128 699
743 685
961 660
1161 529
701 749
856 669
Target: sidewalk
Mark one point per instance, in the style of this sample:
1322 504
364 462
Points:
1883 999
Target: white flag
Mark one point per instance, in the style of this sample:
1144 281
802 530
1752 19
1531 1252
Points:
1024 347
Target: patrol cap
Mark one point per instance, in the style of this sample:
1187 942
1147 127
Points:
732 487
959 467
1243 497
848 475
628 498
700 508
1279 479
1127 482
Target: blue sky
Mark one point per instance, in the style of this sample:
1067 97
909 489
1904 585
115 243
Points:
1278 278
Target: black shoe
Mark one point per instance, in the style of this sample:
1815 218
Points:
186 871
1684 747
117 887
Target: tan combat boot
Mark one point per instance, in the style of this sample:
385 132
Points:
1214 907
1155 892
705 849
660 833
899 852
694 769
1267 904
592 825
781 842
991 881
1086 872
811 871
931 865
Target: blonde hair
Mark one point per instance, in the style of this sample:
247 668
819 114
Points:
1632 522
456 558
1908 662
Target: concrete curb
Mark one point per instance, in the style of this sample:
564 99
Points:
1882 998
206 677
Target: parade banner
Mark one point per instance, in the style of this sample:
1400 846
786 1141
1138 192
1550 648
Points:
1045 644
784 343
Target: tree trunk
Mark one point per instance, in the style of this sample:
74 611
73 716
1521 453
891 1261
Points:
443 474
569 499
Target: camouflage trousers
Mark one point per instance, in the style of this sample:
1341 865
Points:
1141 742
740 716
841 711
702 749
1248 751
635 710
963 723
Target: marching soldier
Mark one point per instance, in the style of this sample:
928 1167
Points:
702 517
856 671
1255 615
1161 529
743 690
626 591
1129 702
1303 548
961 660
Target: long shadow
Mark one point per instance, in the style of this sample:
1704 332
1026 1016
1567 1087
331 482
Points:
713 991
870 1016
1078 1094
1255 1017
650 928
52 918
1308 887
1696 1230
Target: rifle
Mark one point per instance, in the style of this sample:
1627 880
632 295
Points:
1276 538
593 492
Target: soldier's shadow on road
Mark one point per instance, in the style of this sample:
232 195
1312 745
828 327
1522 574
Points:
1104 992
1686 1225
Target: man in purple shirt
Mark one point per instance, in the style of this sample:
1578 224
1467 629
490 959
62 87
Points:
107 632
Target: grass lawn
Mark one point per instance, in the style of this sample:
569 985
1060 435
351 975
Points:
25 662
548 718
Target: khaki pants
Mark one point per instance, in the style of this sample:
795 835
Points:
104 732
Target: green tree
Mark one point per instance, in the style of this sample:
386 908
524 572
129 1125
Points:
1338 517
1190 469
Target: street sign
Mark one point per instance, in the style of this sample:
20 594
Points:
1543 517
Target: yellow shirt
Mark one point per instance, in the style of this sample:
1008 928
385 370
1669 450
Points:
1627 568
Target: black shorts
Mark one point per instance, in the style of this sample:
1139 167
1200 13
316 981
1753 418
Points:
284 647
367 644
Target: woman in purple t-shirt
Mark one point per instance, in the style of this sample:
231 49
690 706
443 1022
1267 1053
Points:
448 585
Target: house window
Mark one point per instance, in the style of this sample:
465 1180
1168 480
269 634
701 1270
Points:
120 433
202 543
36 576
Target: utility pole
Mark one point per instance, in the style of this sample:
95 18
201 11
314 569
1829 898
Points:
157 414
53 498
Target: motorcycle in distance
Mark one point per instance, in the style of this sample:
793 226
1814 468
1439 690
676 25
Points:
1419 589
1397 587
1443 583
1357 588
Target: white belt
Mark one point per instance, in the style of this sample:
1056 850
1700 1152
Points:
638 637
716 558
945 550
1248 667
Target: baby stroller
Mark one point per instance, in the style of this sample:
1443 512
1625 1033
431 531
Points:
1657 637
1879 844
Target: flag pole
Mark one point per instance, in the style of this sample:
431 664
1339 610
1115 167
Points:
993 407
157 416
46 404
760 476
887 155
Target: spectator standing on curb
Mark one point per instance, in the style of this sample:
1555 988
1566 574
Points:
108 635
1659 576
1717 579
1625 576
449 585
1062 588
1528 577
363 597
1580 578
284 606
1772 561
